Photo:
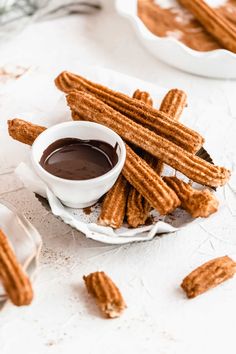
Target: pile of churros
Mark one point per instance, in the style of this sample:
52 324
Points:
153 137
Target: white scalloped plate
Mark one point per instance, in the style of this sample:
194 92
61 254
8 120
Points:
218 63
24 239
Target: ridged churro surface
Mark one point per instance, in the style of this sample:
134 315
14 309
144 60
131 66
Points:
143 96
106 293
138 208
23 131
114 204
208 276
174 103
199 203
135 110
92 109
143 178
16 283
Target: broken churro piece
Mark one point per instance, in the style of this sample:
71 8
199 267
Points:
106 293
135 110
138 208
198 203
24 132
92 109
214 22
208 276
16 283
114 204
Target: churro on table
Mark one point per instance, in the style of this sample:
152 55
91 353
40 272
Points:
107 295
208 276
15 282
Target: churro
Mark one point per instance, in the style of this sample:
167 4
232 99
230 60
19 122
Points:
199 203
134 110
143 178
113 207
138 208
16 283
114 204
214 22
92 109
208 276
143 96
24 132
174 103
107 295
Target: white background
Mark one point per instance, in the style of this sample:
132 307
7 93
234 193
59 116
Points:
159 319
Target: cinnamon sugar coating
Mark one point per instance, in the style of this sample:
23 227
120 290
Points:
92 109
106 293
208 276
135 110
16 283
199 203
214 22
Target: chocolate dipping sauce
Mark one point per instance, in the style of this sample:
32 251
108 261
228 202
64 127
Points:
76 159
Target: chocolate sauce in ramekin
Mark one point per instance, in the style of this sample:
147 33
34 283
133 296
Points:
75 159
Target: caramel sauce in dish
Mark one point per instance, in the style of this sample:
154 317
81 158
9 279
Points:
75 159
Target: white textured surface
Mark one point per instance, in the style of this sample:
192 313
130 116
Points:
159 319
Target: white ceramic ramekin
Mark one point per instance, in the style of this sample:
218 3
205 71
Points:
78 194
219 63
